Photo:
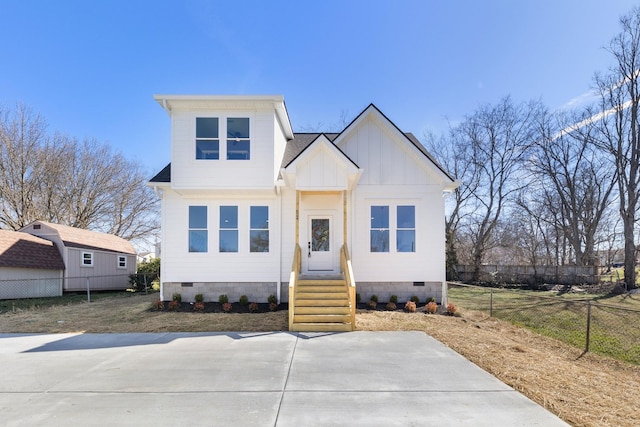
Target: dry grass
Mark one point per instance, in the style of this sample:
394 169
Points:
584 390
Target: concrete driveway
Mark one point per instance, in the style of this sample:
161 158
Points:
251 379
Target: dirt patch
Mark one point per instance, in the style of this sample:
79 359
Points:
584 390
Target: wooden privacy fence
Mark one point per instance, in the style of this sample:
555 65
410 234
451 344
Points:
560 274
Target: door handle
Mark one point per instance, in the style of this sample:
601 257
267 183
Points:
308 249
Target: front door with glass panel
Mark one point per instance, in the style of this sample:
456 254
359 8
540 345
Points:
319 252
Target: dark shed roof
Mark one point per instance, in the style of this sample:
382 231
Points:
22 250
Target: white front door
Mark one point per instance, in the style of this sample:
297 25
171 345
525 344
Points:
319 244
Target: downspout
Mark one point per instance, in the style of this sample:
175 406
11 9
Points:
278 187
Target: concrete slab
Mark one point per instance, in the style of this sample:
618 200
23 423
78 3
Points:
247 379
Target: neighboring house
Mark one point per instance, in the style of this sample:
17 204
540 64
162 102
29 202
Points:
101 260
145 257
30 267
243 192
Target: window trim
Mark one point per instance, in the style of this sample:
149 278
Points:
205 229
238 139
226 229
207 139
398 228
83 259
119 259
386 229
267 229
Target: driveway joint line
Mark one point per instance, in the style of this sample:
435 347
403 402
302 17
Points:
286 381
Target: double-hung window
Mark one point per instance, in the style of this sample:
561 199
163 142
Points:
122 261
379 229
228 229
87 259
207 138
406 229
198 239
259 229
238 142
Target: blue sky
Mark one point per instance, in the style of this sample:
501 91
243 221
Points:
91 67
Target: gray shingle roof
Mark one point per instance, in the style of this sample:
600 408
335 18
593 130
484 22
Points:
22 250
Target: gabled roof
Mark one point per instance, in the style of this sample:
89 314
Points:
163 176
306 142
86 239
22 250
410 138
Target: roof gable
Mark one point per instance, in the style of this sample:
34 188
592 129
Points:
321 165
408 138
22 250
85 239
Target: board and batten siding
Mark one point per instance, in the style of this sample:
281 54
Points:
189 172
394 174
103 275
180 265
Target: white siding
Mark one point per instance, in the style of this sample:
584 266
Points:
180 265
384 157
321 170
188 172
427 263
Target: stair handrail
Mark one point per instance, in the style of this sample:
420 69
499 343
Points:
293 279
347 270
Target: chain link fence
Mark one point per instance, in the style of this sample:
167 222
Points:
589 325
31 288
53 287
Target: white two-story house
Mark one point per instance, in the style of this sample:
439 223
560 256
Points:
251 208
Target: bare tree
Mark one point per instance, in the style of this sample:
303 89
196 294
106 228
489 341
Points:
499 137
574 179
620 128
60 179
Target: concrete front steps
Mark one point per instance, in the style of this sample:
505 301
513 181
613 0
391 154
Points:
321 305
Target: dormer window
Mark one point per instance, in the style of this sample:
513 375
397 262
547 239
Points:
207 138
238 142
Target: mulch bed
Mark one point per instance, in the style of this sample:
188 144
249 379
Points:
216 307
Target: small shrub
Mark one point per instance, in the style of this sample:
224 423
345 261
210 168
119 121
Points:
244 300
176 297
199 306
391 306
451 309
432 307
393 299
253 307
199 298
173 305
272 299
226 306
157 305
410 307
273 306
358 297
374 297
415 299
432 299
371 305
223 299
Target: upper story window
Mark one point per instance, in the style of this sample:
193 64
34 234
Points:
238 142
228 229
207 138
198 235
